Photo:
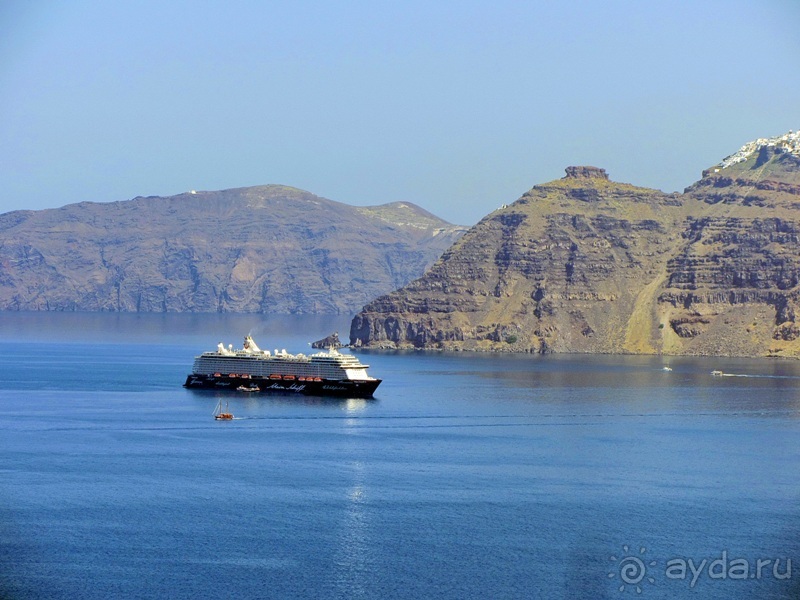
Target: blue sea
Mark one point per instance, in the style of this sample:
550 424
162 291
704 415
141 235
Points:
480 476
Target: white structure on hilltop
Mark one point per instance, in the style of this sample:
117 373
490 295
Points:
788 142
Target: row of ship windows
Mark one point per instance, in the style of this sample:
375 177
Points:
344 360
223 366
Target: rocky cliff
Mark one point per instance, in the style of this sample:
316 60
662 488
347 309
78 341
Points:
271 249
584 264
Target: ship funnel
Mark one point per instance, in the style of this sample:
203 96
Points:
250 345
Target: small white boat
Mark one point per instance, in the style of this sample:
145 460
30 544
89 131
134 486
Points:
717 373
665 368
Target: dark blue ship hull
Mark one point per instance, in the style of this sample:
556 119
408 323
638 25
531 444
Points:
346 388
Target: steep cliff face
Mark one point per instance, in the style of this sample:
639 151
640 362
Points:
733 286
561 269
584 264
260 249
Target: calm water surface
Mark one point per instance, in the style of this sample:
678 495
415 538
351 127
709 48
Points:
468 476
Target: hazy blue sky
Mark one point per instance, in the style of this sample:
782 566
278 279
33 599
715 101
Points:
459 106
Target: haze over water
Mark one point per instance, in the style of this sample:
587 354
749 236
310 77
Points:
468 476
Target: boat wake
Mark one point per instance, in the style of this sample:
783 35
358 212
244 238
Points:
749 376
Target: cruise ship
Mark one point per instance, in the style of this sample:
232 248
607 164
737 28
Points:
328 373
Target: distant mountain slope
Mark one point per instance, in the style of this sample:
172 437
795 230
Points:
257 249
584 264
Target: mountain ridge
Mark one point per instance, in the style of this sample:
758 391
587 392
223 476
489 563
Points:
585 264
265 248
